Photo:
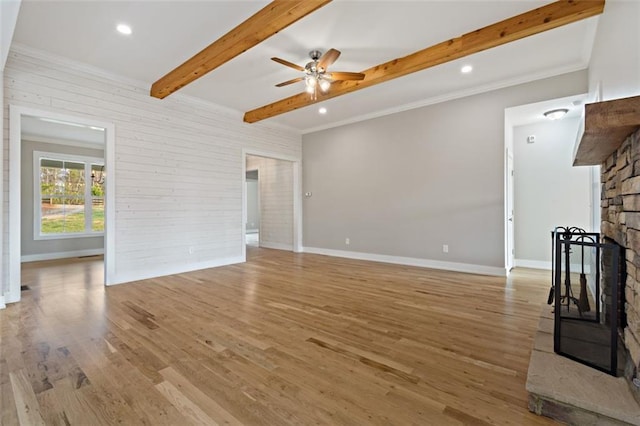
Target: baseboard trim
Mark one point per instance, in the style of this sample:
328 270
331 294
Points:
11 298
60 255
277 246
541 264
411 261
124 278
533 264
2 304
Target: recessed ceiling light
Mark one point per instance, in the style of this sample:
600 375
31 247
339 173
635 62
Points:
322 110
124 29
556 114
466 69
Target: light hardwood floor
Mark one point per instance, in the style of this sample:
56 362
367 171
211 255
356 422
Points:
282 339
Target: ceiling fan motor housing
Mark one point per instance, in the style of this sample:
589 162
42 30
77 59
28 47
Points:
312 67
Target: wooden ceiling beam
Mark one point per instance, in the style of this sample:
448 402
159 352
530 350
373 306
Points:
535 21
274 17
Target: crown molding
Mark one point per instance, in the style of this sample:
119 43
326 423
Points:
527 78
23 50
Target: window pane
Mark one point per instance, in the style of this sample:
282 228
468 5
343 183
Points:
48 179
65 215
73 179
97 224
97 191
63 185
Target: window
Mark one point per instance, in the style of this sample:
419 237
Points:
69 195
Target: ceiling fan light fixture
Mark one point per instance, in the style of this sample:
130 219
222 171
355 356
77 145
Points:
316 78
311 81
324 85
556 114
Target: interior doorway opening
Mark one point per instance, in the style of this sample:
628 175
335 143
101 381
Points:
271 208
542 188
61 204
252 186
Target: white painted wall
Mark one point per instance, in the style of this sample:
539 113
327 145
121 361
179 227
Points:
253 206
178 164
9 10
401 186
276 201
615 60
549 192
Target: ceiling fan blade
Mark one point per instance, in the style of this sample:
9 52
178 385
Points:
288 64
341 75
288 82
328 58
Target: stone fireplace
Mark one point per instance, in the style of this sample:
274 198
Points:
620 177
560 387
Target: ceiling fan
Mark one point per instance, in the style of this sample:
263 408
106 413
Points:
316 75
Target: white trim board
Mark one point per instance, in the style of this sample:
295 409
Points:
546 265
411 261
2 304
60 255
159 271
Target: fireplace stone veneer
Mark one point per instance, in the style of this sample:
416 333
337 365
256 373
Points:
620 203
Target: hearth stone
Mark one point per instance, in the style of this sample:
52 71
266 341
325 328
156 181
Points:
572 392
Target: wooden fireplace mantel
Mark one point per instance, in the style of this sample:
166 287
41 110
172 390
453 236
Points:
606 125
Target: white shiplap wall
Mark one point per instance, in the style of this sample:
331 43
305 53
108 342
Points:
178 163
275 180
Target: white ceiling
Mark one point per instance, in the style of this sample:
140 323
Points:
166 33
534 113
62 131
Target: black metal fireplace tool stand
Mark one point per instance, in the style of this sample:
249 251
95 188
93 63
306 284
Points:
580 333
579 235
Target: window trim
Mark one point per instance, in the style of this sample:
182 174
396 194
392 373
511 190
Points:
88 161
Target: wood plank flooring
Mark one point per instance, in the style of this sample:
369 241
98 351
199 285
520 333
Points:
284 339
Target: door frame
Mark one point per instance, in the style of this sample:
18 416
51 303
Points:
258 202
15 204
509 195
510 217
297 196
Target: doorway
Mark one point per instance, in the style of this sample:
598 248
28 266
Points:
252 223
66 149
277 179
542 188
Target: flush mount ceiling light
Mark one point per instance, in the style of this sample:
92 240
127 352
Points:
466 69
124 29
322 110
556 114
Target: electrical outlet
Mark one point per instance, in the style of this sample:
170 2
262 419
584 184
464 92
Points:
445 248
347 241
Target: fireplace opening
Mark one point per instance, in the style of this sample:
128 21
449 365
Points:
588 296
